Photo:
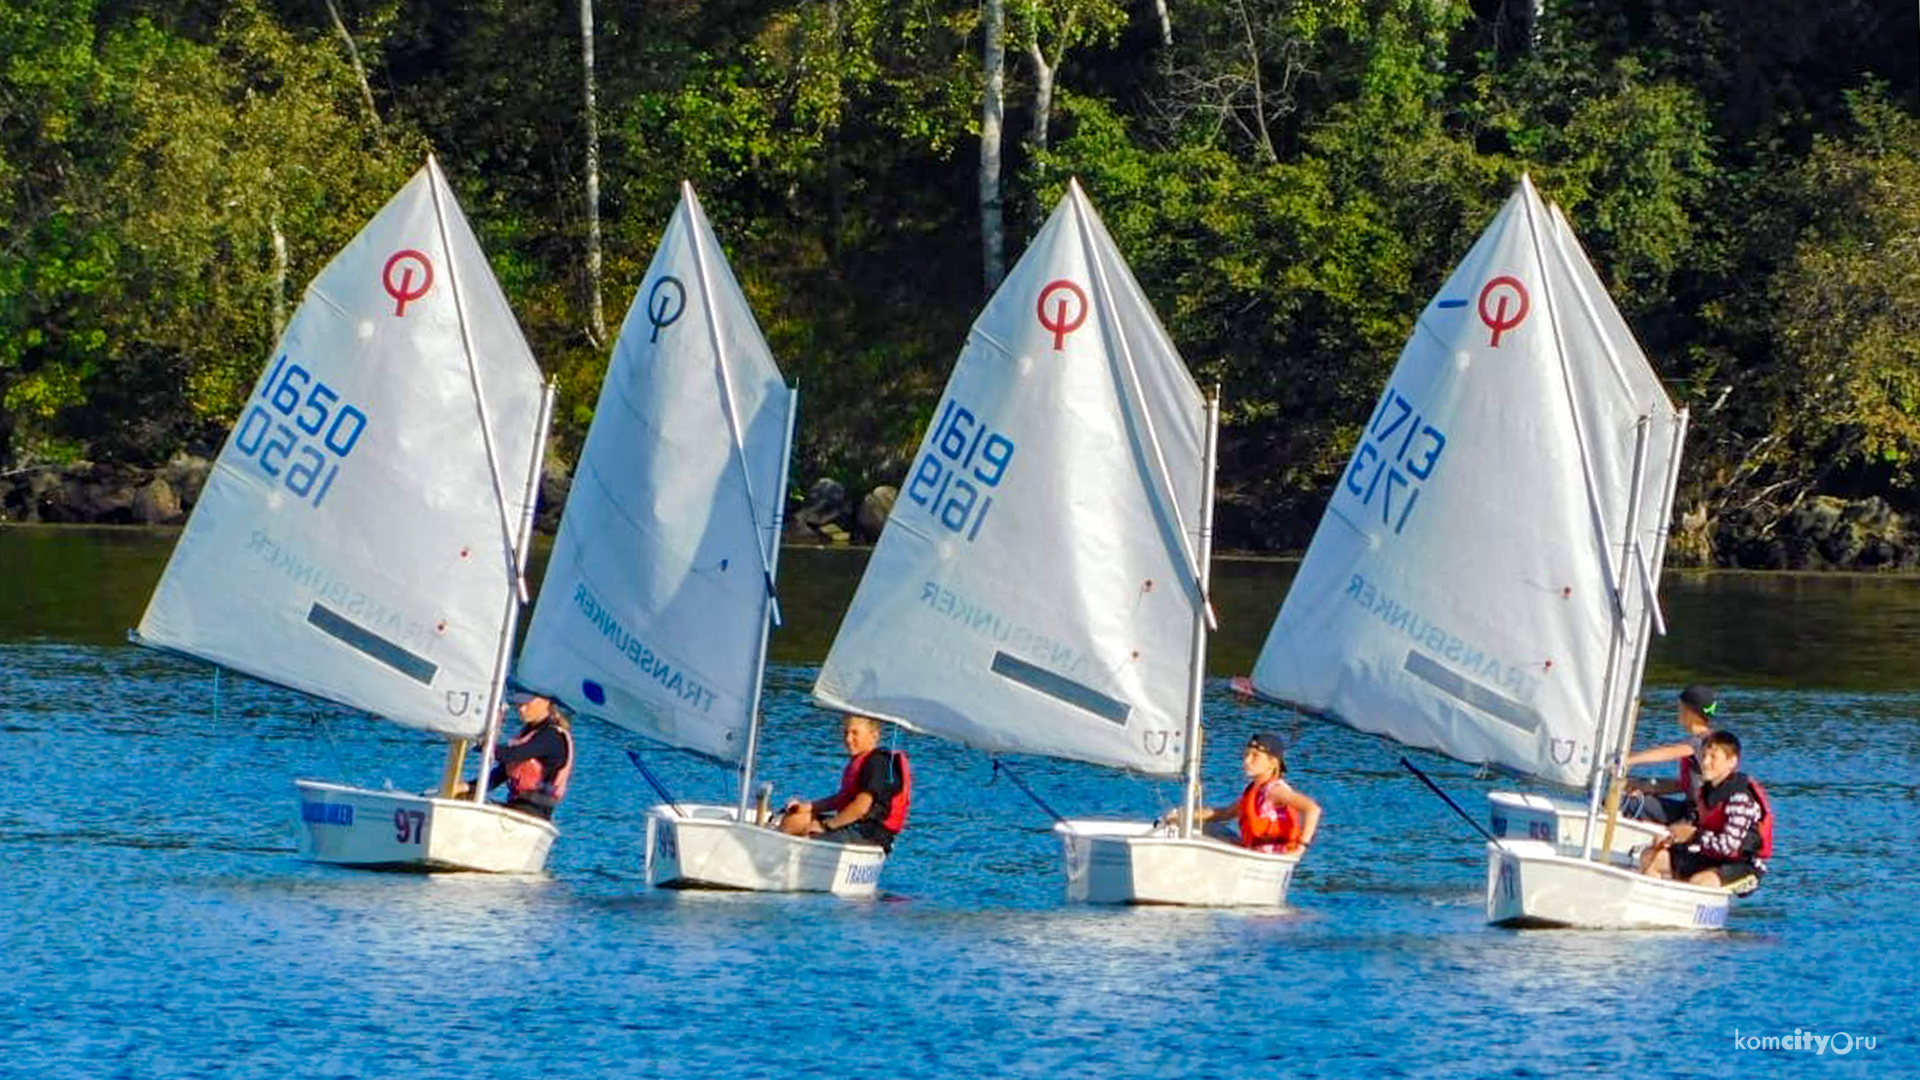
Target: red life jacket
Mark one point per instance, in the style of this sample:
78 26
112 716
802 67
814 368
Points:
896 818
1714 818
1264 824
529 777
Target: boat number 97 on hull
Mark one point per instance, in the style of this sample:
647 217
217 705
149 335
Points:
298 431
964 464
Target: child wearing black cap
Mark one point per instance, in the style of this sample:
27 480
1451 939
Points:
1695 715
1273 817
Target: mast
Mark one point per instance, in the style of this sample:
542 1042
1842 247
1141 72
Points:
1159 480
769 551
1601 750
773 614
727 405
1651 575
509 533
1202 615
1596 512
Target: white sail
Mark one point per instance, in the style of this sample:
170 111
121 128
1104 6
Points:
356 537
1459 593
1036 587
658 591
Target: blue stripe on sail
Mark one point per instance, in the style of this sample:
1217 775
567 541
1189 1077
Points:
1061 688
1487 700
362 640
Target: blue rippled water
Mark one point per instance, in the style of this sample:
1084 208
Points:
162 926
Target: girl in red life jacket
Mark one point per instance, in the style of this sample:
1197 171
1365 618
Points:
871 805
1273 817
537 763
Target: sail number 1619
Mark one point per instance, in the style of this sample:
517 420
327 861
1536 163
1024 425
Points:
964 462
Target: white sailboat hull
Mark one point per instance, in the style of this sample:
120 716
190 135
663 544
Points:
1124 862
711 849
1563 824
397 830
1530 885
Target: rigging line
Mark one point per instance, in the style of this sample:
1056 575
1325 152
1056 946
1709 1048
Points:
1594 509
1021 783
653 781
1448 799
515 557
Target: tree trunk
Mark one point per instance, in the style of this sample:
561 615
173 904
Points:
1166 23
353 57
836 170
598 320
1259 92
1042 93
992 110
279 275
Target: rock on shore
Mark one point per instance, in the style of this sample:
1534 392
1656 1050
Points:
1821 533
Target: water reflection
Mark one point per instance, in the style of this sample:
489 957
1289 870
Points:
89 585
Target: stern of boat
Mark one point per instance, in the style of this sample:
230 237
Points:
1125 862
397 830
704 846
1530 885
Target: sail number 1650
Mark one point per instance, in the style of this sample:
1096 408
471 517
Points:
312 432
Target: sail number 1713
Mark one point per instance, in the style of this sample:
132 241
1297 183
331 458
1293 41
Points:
1396 456
298 430
963 464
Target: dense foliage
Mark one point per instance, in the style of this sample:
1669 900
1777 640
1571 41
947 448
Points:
1291 179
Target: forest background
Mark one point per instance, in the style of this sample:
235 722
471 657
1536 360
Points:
1291 180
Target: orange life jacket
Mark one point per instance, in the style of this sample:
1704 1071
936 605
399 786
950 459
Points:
1264 824
896 818
530 777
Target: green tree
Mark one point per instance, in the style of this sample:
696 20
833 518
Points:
197 183
1841 395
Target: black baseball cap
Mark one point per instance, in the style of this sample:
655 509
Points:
1269 743
1699 697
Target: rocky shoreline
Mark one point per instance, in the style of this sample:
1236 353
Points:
1821 533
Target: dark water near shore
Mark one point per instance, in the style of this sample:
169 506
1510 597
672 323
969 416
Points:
163 927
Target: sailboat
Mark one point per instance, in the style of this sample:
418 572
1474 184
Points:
1483 582
363 532
659 596
1041 585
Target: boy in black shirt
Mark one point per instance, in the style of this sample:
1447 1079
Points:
864 810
